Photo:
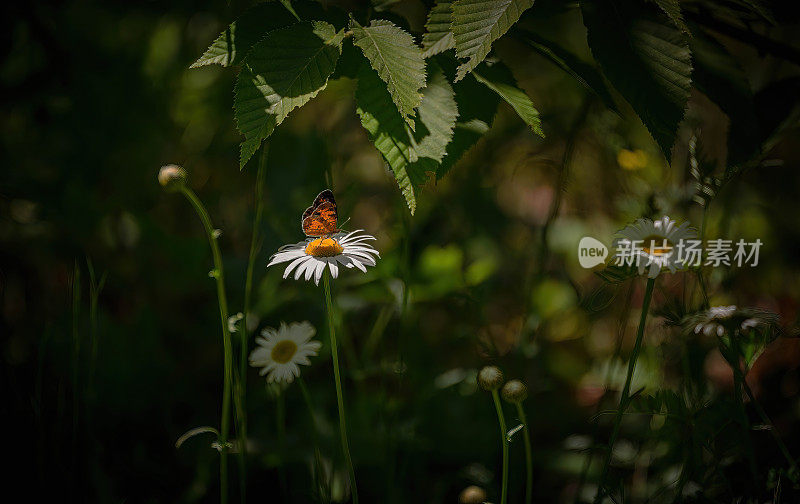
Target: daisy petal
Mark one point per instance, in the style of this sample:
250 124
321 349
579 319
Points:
318 272
312 265
333 267
291 266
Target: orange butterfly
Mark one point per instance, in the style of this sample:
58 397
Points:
322 217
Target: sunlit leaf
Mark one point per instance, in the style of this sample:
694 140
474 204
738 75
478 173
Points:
409 154
478 23
499 79
438 37
282 72
398 61
232 44
436 117
387 129
476 110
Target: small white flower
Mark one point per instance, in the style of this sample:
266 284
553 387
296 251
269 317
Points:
233 320
717 320
721 312
654 243
280 351
310 257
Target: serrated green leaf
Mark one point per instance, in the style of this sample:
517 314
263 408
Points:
232 44
718 75
436 118
386 128
282 72
646 59
478 23
476 110
410 155
397 60
672 8
499 79
438 37
465 135
586 74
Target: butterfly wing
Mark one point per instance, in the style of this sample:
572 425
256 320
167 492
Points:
326 195
321 218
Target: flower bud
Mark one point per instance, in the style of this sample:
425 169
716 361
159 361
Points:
515 391
472 495
490 378
172 177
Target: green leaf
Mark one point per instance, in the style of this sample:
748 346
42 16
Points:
410 155
465 136
718 75
586 74
287 4
757 7
397 59
499 79
232 45
282 72
438 37
646 59
436 118
194 432
386 128
672 8
476 110
478 23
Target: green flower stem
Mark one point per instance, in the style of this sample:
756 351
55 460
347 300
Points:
244 336
624 399
339 398
280 423
226 339
504 438
314 434
528 455
741 385
738 391
765 418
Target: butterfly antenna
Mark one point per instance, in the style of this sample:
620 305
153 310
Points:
341 227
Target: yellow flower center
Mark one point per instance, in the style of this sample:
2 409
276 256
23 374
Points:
660 245
283 351
324 247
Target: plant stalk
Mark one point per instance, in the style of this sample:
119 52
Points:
321 491
339 396
244 335
528 455
226 339
504 438
624 399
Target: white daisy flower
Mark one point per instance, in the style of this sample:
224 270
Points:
651 245
310 257
280 351
718 320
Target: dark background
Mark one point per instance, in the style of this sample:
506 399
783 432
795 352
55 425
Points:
96 96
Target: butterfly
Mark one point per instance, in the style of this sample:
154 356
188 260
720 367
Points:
322 217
